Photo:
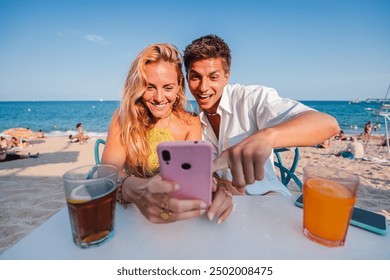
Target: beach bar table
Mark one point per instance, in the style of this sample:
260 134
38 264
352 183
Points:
267 227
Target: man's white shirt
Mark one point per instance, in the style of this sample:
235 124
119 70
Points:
245 110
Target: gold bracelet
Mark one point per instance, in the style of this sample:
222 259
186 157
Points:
222 184
218 180
119 195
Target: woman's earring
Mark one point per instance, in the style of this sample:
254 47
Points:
176 101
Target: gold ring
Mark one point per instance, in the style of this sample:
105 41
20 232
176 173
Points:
227 192
165 214
164 204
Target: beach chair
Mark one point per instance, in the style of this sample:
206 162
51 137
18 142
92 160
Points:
97 149
286 173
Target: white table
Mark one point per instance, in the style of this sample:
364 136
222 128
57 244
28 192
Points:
267 227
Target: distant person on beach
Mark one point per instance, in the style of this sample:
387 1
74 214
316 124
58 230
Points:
245 123
5 143
341 136
8 156
152 110
81 136
18 143
73 139
40 134
367 130
355 150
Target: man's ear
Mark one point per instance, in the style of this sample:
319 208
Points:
227 75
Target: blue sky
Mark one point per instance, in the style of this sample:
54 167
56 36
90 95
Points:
307 50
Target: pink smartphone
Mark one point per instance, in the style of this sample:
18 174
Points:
189 164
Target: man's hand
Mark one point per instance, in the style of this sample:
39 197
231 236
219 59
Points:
245 160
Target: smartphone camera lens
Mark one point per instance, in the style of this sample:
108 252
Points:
166 155
186 166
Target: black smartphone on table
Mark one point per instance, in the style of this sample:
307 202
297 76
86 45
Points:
362 218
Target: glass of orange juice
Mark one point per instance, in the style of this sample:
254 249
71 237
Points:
329 195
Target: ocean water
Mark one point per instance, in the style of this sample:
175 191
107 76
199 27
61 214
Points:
58 118
351 117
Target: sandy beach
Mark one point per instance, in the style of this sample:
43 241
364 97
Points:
374 172
31 189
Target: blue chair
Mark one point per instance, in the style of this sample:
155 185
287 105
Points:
286 173
97 149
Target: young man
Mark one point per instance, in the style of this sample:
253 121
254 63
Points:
245 123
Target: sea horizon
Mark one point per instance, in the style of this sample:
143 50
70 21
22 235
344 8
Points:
117 100
59 117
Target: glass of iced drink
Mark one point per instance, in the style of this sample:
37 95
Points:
329 195
91 197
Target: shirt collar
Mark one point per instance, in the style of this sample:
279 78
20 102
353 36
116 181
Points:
224 105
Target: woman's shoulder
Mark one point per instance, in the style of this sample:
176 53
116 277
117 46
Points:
186 120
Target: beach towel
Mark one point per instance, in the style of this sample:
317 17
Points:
347 155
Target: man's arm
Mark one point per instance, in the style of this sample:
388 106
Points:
246 159
305 129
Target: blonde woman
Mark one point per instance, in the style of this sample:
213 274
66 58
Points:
152 110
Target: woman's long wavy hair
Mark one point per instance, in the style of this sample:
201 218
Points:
134 118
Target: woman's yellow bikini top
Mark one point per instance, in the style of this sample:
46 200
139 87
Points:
154 137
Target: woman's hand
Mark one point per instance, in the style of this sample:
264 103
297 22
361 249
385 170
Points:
222 204
150 197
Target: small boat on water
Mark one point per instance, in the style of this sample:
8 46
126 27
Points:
354 101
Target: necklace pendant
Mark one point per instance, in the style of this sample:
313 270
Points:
210 114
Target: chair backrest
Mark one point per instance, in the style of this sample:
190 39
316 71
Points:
97 150
286 173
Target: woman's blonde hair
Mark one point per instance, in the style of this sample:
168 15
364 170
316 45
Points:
133 116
